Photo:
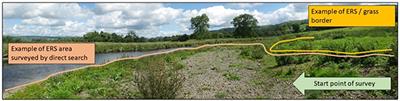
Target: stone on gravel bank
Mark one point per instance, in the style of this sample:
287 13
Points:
221 73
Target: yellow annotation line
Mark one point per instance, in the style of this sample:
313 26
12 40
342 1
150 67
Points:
320 51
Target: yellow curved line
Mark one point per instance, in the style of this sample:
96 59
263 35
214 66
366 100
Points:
320 51
16 88
289 40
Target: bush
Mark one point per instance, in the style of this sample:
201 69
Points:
285 60
301 45
354 45
252 53
370 61
333 70
156 80
257 54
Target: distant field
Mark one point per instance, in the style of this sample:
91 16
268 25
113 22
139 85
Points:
346 44
104 47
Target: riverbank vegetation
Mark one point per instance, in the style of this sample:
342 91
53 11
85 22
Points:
245 29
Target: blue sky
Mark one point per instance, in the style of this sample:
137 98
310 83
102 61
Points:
147 19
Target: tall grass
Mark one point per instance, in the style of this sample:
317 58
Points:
348 44
104 47
157 80
150 77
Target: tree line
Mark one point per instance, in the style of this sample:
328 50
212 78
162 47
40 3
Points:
244 25
131 36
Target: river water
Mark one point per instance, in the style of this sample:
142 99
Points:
18 74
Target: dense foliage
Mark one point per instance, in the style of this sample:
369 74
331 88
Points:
200 25
345 40
245 25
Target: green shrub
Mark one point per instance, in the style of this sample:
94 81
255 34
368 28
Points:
351 44
157 80
245 53
333 70
370 61
255 53
285 60
345 65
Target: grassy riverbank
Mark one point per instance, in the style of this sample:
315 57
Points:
104 47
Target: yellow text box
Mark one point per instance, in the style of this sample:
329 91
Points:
342 16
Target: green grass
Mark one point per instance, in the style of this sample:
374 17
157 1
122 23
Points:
104 47
101 82
231 76
348 44
253 53
220 95
111 81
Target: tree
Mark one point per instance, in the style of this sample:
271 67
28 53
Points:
131 37
9 39
105 36
92 36
116 38
183 37
245 25
296 28
200 25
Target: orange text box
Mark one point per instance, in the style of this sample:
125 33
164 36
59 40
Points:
51 53
342 16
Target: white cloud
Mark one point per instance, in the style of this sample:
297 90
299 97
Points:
47 19
70 19
50 19
77 28
287 13
349 3
221 17
135 15
378 3
47 10
35 30
69 29
42 21
246 5
142 18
